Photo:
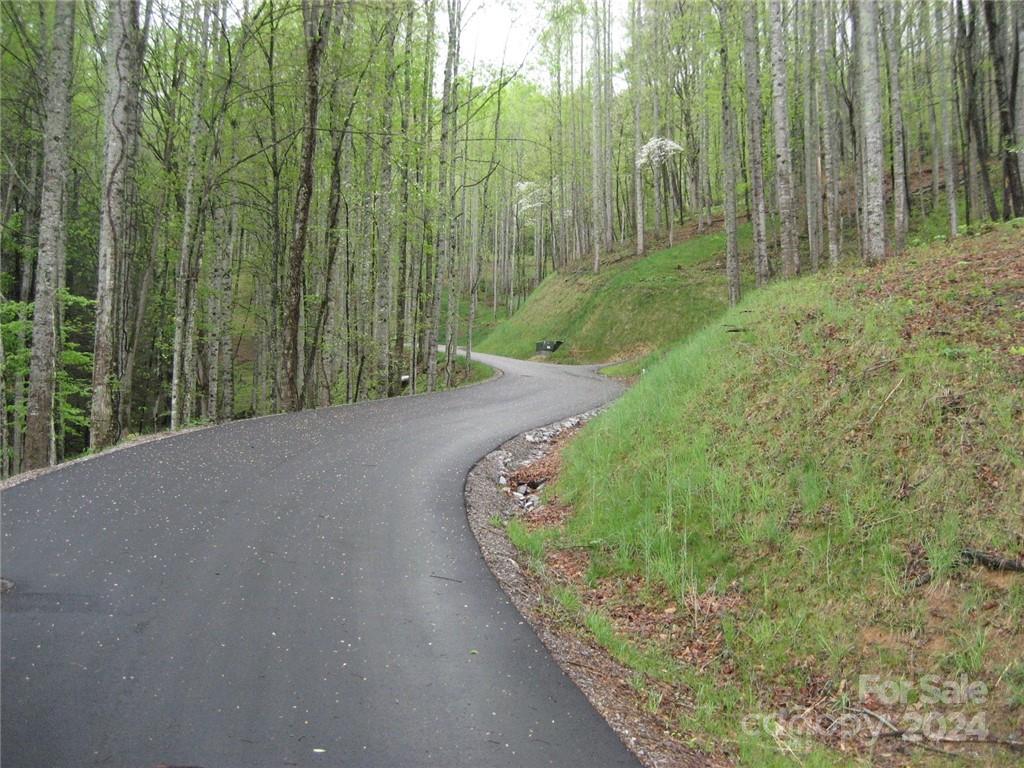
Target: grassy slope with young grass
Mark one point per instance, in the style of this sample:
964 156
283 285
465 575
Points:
770 513
629 309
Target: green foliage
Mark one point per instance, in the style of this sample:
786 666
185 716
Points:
74 374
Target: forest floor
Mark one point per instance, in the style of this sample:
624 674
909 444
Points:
798 537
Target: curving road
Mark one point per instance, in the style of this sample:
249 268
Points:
299 590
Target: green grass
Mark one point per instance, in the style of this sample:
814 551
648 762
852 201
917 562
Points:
862 415
628 309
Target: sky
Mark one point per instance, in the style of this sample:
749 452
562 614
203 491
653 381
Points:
497 29
508 31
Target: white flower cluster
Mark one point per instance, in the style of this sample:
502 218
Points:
656 151
531 195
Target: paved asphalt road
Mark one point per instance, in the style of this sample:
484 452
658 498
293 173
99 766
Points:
301 590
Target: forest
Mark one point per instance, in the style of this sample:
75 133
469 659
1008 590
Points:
214 209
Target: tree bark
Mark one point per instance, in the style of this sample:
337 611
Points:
316 15
122 58
755 119
596 138
638 181
783 154
812 181
899 160
871 126
382 320
732 255
829 120
1005 94
39 434
945 93
184 293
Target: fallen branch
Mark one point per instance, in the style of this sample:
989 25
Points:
994 562
887 399
445 578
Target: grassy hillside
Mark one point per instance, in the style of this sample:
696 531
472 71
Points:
628 309
771 513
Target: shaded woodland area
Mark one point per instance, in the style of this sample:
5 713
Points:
220 208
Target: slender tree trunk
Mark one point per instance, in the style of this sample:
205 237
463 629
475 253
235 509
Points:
893 47
945 93
732 254
316 16
966 34
637 80
752 70
830 118
871 125
783 154
185 289
39 433
382 321
1005 95
596 139
812 180
122 57
445 194
398 353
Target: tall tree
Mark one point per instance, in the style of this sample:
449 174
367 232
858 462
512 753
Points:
1006 92
188 267
729 152
945 92
829 121
316 23
39 437
893 48
783 154
812 180
752 70
869 82
123 60
597 137
635 83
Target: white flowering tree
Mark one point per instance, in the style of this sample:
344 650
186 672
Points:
657 152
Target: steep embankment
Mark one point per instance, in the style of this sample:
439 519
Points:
629 309
813 489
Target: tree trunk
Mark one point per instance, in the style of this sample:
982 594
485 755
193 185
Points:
184 286
752 70
596 139
831 140
398 353
316 24
638 181
945 94
783 155
122 59
893 47
871 126
39 435
1005 94
812 181
382 320
445 194
732 255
